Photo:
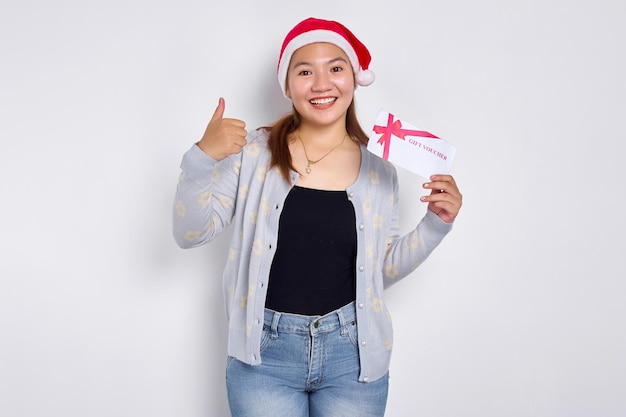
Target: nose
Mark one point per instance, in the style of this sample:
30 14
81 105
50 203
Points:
321 82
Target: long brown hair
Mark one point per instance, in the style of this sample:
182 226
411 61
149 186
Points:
279 138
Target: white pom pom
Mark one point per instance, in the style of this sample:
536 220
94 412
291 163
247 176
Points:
364 77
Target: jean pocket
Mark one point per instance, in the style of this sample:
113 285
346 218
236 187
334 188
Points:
265 337
352 333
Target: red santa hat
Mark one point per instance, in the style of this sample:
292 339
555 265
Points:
314 30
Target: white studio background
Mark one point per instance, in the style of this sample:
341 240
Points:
519 312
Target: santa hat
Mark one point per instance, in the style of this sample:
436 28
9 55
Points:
314 30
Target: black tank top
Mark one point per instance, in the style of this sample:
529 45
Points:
313 271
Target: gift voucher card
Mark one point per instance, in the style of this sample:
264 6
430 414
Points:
405 145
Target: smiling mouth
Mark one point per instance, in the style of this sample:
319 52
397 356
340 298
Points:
322 101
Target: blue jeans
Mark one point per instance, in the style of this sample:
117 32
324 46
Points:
310 368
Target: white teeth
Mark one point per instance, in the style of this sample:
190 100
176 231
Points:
323 101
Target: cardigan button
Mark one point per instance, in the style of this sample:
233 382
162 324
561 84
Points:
361 268
366 379
361 305
361 226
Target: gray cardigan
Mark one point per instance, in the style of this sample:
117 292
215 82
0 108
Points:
242 191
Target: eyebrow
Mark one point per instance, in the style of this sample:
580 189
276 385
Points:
330 62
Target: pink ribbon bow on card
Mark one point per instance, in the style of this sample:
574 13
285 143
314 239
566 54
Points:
395 128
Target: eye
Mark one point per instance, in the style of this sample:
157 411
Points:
336 69
304 72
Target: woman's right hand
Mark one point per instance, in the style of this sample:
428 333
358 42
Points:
223 137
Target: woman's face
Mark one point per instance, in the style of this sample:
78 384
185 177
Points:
320 83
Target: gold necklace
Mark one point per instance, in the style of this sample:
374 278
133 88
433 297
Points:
310 162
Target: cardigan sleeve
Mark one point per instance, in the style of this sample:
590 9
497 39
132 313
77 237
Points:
404 254
205 199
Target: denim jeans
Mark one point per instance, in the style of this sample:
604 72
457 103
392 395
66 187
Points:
310 368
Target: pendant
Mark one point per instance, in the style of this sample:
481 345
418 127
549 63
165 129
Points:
308 167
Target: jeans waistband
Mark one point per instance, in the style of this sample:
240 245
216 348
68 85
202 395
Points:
296 323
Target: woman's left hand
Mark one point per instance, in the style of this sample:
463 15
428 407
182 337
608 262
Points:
445 199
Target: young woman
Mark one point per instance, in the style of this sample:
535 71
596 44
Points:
316 237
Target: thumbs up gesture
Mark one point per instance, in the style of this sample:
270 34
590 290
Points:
223 136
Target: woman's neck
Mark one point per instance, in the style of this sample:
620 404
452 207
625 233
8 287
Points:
322 137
